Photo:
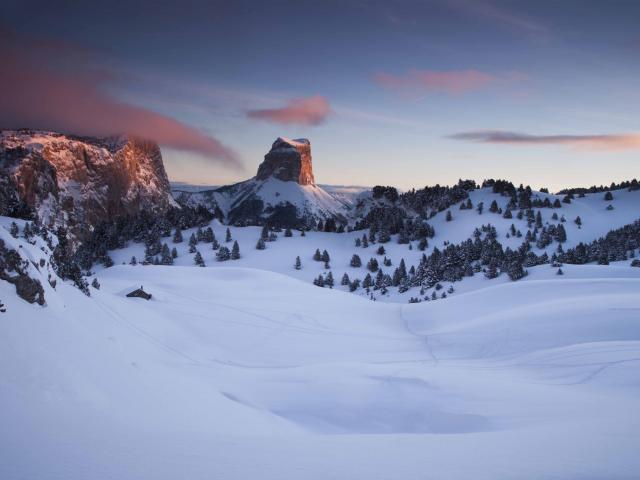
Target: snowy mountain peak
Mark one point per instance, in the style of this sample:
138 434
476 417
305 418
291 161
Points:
289 161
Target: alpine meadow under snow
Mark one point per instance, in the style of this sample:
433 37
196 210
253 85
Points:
473 331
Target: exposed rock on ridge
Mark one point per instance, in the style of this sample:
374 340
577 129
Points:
80 182
289 161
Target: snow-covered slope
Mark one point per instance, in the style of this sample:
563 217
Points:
242 373
279 256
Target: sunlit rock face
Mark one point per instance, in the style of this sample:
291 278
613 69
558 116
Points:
79 182
289 161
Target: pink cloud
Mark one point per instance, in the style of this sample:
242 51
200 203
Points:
612 142
303 111
451 82
35 95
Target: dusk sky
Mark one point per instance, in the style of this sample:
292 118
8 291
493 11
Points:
405 93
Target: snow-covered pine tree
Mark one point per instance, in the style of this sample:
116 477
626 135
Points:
95 284
288 232
317 256
199 261
381 250
14 230
298 264
260 245
329 279
372 265
227 237
174 252
223 254
133 261
165 255
235 251
355 261
345 279
449 217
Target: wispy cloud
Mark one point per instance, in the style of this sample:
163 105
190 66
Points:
627 141
45 86
302 111
451 82
501 16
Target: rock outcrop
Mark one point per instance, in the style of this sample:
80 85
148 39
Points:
283 192
79 182
289 161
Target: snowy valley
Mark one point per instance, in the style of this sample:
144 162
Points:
499 325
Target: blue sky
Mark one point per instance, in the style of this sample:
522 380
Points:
396 79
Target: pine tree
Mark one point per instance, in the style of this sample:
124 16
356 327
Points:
208 235
2 307
358 242
372 265
298 264
559 272
228 236
235 251
345 279
260 245
493 208
354 285
174 252
449 217
192 243
480 207
325 256
381 250
367 282
578 221
223 254
423 244
608 197
492 269
329 280
107 261
355 261
365 241
133 261
288 233
319 282
317 256
166 258
264 234
13 230
199 261
215 245
95 284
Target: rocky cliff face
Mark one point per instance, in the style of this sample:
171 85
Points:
289 161
283 192
80 182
